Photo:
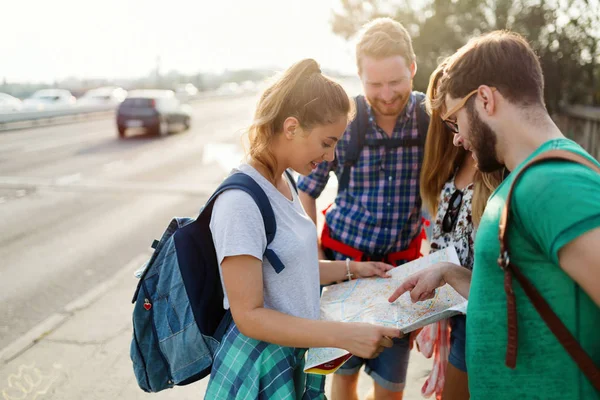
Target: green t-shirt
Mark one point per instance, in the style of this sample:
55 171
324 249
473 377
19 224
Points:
553 203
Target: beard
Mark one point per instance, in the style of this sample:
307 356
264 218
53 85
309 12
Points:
396 108
483 143
398 104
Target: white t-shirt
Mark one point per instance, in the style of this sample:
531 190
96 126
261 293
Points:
237 228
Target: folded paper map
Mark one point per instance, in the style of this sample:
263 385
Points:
366 300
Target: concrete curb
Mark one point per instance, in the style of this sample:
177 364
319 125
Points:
50 324
93 294
30 338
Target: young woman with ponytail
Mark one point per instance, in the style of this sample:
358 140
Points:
297 124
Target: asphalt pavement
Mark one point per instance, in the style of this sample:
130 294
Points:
78 210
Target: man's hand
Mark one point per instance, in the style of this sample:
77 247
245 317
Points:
423 284
367 269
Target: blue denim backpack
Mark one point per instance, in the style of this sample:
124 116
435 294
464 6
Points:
178 317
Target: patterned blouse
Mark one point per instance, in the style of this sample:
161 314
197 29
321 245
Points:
463 234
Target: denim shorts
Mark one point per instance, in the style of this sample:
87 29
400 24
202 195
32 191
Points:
388 370
458 338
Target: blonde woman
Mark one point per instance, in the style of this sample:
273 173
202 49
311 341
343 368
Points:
297 124
455 193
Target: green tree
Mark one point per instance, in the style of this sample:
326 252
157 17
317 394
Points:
564 33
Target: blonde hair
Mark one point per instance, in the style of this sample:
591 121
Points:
302 92
442 158
384 37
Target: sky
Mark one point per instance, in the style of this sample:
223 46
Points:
43 41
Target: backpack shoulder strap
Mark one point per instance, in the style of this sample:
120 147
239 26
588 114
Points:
244 182
552 155
564 336
358 132
422 118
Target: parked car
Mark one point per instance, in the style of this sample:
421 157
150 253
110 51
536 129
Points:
9 103
157 111
49 99
103 96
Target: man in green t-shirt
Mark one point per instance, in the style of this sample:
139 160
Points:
492 91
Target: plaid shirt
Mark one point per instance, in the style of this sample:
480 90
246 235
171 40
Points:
249 369
380 213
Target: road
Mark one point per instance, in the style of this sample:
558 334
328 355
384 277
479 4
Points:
77 206
76 203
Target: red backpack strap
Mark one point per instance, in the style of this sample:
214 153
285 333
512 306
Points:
583 360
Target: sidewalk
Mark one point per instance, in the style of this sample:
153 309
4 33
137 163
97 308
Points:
83 353
87 357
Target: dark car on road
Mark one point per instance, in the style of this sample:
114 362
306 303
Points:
159 112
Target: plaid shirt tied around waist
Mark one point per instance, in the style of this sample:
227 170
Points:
250 369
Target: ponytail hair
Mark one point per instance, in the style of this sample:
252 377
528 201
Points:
302 92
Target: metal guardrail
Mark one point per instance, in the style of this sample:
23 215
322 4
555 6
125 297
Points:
21 116
28 119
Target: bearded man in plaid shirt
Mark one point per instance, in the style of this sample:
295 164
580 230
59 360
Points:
377 212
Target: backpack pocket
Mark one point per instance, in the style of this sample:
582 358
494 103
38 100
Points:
150 367
139 365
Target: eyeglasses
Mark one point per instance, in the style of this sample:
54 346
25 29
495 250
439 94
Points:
452 125
452 212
